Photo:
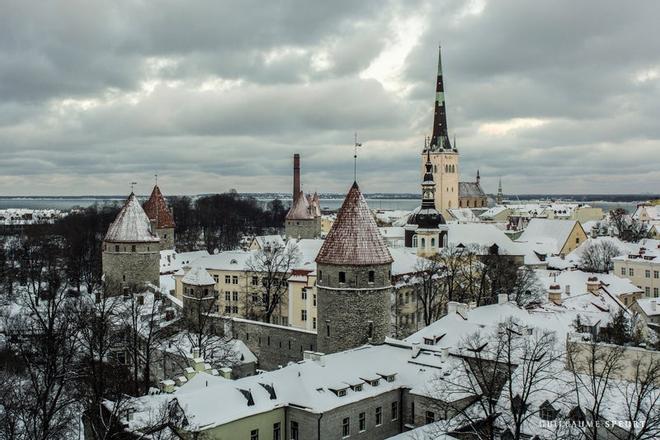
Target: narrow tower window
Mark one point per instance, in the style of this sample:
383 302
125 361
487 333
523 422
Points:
372 276
342 277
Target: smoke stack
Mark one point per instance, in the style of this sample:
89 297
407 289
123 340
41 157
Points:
296 176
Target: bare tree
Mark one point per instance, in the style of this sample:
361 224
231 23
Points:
428 289
272 264
641 395
628 228
597 256
450 261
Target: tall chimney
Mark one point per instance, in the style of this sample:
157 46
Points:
296 176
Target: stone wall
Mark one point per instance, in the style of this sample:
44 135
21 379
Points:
130 266
166 236
353 313
303 228
274 345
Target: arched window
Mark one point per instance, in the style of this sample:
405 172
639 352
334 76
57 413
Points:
435 168
444 240
423 243
432 242
414 241
449 204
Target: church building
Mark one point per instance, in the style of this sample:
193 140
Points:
450 193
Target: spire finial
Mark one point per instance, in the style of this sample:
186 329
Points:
156 178
133 186
356 144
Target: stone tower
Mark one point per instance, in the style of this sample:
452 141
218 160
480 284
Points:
304 217
444 157
353 280
199 296
131 251
162 220
426 229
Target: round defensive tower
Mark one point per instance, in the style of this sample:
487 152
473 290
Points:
199 295
354 285
131 251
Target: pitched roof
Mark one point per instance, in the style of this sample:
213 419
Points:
301 209
470 189
156 209
354 238
552 233
131 225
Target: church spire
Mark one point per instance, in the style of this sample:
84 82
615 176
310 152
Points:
440 138
500 196
428 185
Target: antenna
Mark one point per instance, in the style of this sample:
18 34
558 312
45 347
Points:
355 147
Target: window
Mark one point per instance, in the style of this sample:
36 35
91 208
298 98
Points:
342 277
303 315
656 274
423 242
577 240
303 294
362 422
215 277
433 242
647 274
314 323
655 292
254 434
372 276
412 411
647 291
379 416
227 279
132 248
346 427
395 410
327 329
430 417
227 296
320 275
234 296
314 300
294 430
255 280
276 431
116 248
234 309
623 271
227 309
234 279
631 272
414 241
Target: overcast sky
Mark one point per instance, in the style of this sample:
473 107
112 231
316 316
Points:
553 96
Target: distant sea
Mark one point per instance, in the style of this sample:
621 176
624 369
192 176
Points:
398 202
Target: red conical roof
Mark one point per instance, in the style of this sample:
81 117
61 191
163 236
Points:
354 239
156 209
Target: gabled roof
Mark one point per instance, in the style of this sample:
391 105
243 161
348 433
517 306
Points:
156 209
552 233
470 189
354 238
131 225
301 209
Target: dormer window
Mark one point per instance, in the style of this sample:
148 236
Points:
547 411
357 388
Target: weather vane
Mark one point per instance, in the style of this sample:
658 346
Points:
133 185
156 177
355 147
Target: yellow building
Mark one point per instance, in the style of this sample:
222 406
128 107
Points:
553 237
642 267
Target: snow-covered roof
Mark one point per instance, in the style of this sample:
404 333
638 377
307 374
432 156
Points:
171 261
198 276
492 212
576 280
354 238
307 384
548 234
131 225
650 306
646 250
464 215
268 240
301 209
470 189
572 260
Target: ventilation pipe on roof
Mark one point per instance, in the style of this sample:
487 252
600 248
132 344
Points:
502 298
415 349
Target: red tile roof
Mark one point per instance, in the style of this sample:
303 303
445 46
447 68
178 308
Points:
354 239
301 209
156 209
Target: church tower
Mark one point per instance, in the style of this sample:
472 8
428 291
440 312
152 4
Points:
426 229
500 196
444 157
354 269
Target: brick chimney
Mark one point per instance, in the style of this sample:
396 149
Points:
593 285
554 293
296 176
